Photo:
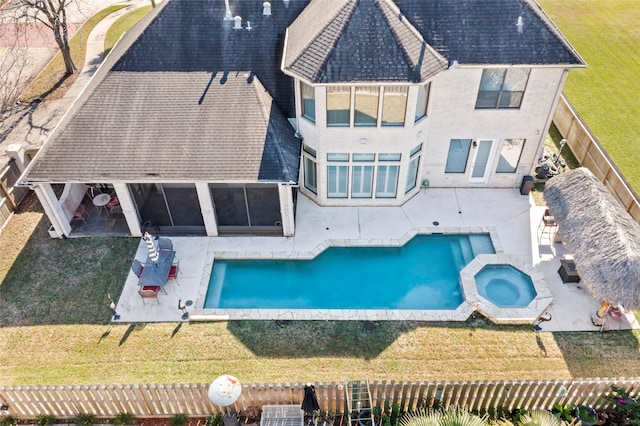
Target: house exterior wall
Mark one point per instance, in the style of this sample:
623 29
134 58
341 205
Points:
451 114
325 140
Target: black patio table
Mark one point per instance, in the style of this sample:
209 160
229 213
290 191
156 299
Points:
156 274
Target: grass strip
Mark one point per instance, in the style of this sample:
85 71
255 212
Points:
52 82
123 24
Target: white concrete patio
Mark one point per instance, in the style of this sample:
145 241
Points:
510 218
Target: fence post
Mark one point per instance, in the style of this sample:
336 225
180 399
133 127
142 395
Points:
16 151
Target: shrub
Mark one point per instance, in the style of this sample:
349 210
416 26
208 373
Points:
179 420
564 413
45 420
8 421
215 420
124 419
623 410
86 419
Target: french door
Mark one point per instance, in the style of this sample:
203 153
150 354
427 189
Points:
482 155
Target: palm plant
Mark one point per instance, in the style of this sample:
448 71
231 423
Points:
534 418
420 417
452 416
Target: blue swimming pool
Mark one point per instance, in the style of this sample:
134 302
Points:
422 274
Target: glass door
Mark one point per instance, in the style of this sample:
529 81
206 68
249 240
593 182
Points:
482 153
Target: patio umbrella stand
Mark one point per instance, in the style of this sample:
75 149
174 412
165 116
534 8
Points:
153 252
310 402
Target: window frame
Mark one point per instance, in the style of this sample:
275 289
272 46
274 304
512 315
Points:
483 101
307 170
384 103
386 182
422 106
412 175
466 161
339 91
303 100
340 169
505 143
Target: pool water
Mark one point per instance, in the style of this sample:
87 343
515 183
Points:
422 274
505 286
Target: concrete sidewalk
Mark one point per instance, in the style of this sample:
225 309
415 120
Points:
31 125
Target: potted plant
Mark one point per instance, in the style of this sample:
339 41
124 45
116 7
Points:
563 412
586 415
251 415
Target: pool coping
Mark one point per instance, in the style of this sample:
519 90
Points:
461 313
525 315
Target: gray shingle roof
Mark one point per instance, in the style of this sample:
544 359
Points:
365 40
174 127
140 118
485 32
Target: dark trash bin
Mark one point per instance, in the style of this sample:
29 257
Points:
527 185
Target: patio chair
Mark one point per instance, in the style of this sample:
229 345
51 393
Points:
165 244
173 272
113 204
137 267
149 292
80 214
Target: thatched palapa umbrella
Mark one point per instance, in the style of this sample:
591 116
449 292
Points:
603 237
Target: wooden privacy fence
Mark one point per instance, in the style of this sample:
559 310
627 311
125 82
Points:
591 155
107 401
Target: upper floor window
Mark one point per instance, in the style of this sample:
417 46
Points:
502 88
308 101
423 99
394 105
510 155
368 105
338 106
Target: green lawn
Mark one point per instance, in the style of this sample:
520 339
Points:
54 329
123 24
606 94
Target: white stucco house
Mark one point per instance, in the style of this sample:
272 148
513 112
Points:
212 116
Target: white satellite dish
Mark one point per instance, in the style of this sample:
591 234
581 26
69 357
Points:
225 390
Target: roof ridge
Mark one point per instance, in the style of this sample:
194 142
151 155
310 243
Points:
535 8
332 21
263 96
417 65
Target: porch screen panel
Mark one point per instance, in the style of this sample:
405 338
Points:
151 204
230 204
264 204
183 203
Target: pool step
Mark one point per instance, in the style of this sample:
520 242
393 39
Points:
467 250
462 253
358 400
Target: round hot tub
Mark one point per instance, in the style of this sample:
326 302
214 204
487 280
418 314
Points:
505 286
